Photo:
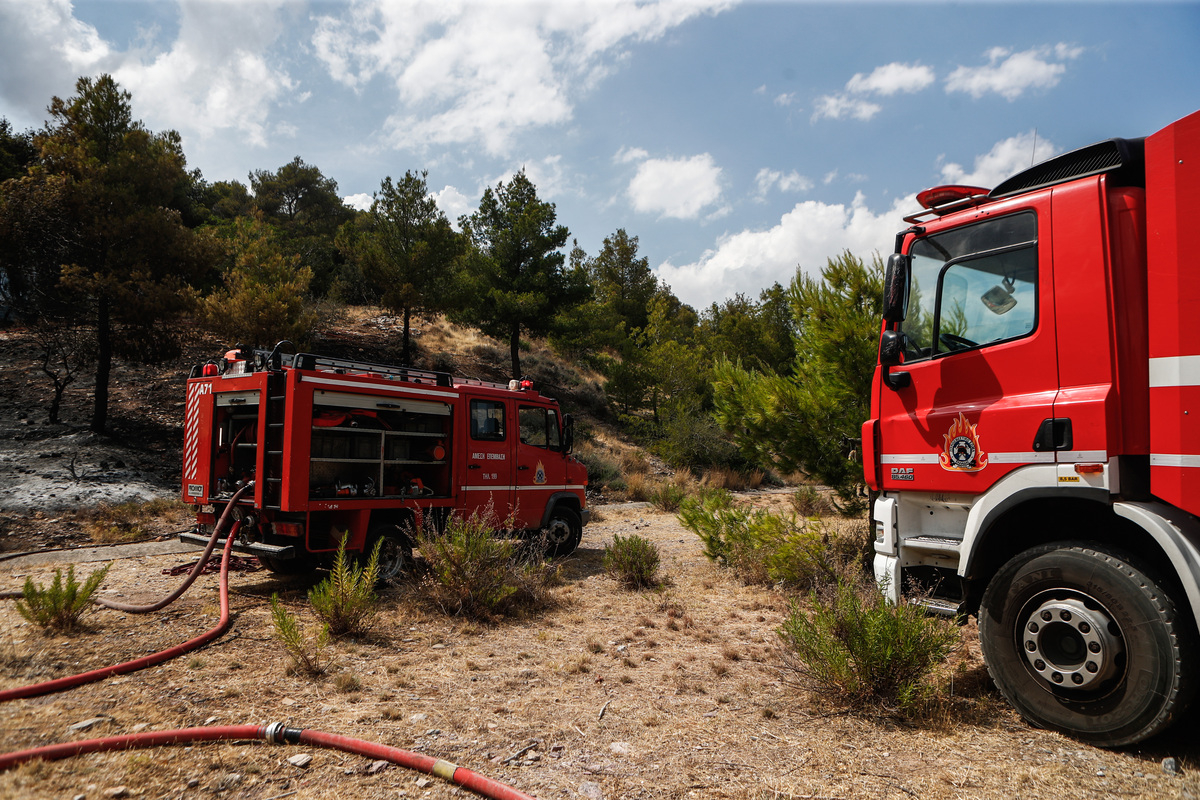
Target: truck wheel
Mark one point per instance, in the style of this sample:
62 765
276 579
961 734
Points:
395 554
563 532
1085 641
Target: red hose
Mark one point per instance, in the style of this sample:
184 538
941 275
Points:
276 734
71 681
196 570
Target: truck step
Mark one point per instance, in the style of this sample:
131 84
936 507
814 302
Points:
280 552
937 606
934 544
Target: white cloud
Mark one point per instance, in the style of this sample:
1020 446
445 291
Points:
628 155
892 78
837 106
806 236
454 203
785 100
1006 158
485 72
768 179
215 75
45 49
679 188
1011 74
884 81
361 201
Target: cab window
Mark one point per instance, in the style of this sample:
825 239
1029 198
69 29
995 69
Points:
539 427
487 420
972 286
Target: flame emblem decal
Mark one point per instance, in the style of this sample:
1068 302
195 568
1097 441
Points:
961 452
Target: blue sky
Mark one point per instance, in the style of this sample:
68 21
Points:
737 141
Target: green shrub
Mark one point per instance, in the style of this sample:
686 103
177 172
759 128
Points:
346 600
307 652
633 560
60 606
764 548
668 497
474 573
852 646
809 502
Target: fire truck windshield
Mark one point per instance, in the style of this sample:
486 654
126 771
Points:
972 286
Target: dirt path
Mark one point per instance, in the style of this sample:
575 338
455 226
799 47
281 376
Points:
667 694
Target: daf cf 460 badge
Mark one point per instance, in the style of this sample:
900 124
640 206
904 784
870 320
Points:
962 452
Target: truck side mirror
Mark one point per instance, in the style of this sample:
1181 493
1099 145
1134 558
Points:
891 348
895 287
568 441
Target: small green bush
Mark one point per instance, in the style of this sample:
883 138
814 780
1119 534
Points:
473 572
852 646
346 600
633 560
307 652
668 497
764 548
60 606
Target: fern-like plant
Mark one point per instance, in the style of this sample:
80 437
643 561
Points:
346 600
59 606
307 652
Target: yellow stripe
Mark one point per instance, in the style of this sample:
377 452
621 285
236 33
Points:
444 769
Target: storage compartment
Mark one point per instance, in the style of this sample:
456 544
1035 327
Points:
370 447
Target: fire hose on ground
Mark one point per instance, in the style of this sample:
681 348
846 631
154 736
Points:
276 733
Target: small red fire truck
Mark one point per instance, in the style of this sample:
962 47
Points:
1034 437
352 451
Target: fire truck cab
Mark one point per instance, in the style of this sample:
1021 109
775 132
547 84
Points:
349 451
1034 439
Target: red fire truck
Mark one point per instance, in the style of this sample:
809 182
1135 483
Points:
1034 437
357 452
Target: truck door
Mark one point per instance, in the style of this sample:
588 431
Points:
541 469
980 370
488 485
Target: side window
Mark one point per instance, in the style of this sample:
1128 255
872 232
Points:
533 426
487 420
972 286
552 438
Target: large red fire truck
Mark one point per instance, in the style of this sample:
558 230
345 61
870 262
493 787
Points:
1035 429
354 452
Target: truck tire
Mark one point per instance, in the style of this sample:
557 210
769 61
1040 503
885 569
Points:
1083 640
395 554
563 532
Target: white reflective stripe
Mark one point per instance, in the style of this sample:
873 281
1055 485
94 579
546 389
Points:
1002 458
1175 371
1020 458
909 458
407 388
1174 460
1067 456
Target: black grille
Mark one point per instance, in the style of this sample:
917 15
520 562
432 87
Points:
1123 157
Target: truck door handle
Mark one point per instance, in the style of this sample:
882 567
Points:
472 466
1054 434
523 466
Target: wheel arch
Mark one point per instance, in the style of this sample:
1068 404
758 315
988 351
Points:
567 499
1166 539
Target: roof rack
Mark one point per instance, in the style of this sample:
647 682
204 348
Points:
311 361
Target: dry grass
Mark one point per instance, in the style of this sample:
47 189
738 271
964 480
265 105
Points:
672 694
